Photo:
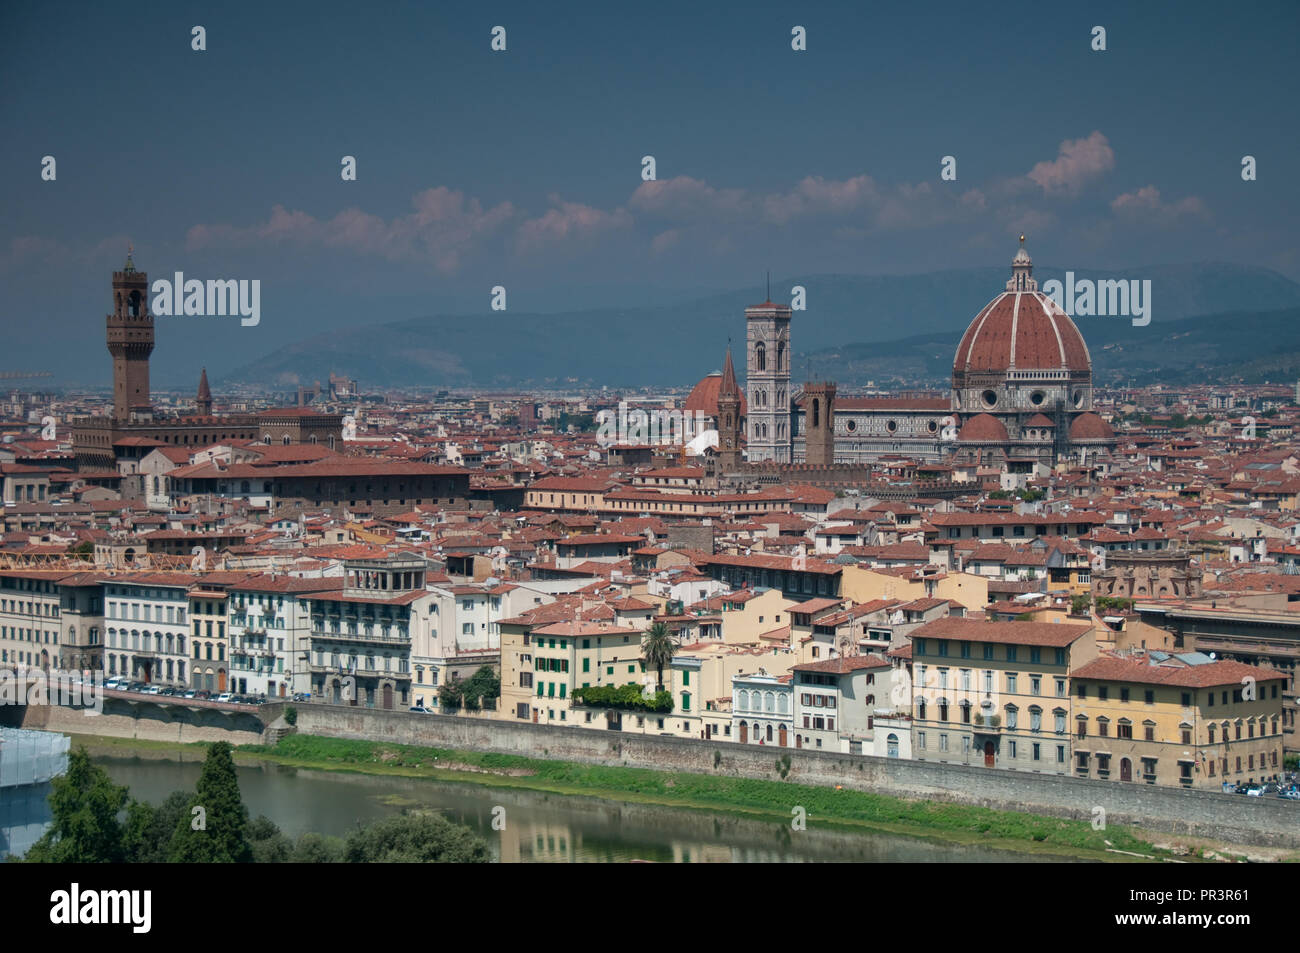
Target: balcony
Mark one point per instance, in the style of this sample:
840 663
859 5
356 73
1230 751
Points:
374 639
986 724
358 673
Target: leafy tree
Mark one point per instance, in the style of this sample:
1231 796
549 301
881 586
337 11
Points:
629 697
149 829
85 830
450 694
269 844
415 839
317 849
483 686
658 646
223 838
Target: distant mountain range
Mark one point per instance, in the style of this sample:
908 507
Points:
1209 320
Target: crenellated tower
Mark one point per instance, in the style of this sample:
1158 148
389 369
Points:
130 341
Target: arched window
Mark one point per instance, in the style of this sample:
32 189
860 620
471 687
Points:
742 700
760 356
782 705
816 412
769 702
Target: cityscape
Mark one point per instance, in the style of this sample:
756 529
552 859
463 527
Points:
878 516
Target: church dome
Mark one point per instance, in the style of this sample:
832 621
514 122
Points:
703 397
1090 427
983 428
1021 329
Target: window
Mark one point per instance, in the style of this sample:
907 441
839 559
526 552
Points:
1124 729
1011 684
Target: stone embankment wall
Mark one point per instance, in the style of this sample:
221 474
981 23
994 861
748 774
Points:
148 721
1236 818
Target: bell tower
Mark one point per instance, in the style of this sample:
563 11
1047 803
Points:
819 423
729 418
767 382
130 341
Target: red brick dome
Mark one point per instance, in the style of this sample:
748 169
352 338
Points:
704 396
1021 330
1090 427
983 428
1040 420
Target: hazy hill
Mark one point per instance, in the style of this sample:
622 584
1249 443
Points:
849 317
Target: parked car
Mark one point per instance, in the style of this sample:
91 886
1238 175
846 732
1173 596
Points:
152 690
203 695
1255 791
422 710
114 684
225 697
191 694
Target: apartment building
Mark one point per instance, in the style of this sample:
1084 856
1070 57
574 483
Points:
30 619
1178 720
996 693
835 701
270 633
361 636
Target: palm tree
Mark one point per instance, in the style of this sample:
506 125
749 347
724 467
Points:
658 646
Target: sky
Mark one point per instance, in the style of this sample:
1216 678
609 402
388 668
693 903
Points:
523 168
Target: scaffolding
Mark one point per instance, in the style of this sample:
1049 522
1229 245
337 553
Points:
28 756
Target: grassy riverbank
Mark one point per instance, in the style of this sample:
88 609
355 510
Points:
851 811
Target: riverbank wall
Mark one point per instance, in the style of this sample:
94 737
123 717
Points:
147 721
1269 822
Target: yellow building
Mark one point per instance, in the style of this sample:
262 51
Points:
865 585
1179 720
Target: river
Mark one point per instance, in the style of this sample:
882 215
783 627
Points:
539 827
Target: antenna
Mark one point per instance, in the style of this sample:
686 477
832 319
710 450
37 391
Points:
769 285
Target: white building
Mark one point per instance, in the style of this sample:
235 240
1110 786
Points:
146 628
762 709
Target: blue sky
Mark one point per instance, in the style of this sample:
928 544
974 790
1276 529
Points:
523 168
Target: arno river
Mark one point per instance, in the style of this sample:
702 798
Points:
539 827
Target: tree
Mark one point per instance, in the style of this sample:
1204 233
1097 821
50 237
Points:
85 830
658 646
415 839
222 836
268 844
317 849
481 687
149 829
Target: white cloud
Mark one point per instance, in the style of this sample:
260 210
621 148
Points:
1078 161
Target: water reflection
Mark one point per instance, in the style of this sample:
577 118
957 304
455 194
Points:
538 827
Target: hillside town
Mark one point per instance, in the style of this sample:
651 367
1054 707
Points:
1031 572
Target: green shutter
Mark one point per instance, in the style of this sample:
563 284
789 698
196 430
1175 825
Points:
586 665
